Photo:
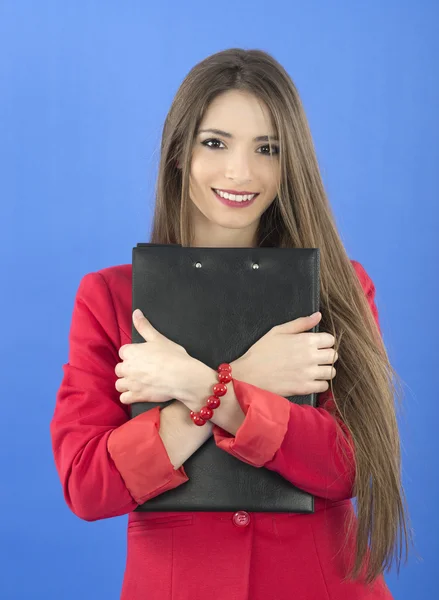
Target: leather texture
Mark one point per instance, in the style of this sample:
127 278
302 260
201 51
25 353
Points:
217 304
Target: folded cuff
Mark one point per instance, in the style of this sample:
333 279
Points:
141 458
263 429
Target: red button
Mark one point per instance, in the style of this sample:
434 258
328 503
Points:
241 518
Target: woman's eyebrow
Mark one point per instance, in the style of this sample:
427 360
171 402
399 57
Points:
260 138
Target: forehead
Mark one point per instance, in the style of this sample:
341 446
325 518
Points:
240 113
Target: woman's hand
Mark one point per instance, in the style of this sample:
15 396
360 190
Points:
289 362
154 371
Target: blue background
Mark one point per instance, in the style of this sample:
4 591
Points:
85 87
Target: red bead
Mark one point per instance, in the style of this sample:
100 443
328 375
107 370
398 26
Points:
224 377
206 413
198 420
219 389
213 402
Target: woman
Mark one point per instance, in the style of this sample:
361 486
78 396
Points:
238 169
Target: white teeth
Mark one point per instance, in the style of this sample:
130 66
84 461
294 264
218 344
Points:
235 197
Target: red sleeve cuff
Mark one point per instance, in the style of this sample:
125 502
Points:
141 457
263 429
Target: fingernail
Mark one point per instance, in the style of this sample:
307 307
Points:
137 313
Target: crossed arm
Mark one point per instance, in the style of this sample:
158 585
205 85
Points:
108 464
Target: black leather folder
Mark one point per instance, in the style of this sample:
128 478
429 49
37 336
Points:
216 303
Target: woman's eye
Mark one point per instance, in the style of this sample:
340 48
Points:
274 149
214 141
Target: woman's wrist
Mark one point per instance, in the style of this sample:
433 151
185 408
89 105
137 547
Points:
200 382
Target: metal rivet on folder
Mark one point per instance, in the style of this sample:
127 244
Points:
198 265
255 266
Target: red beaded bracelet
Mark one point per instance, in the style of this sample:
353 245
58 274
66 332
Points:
219 389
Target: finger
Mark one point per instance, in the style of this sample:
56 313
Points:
326 373
144 327
123 385
119 369
323 339
124 351
127 398
326 356
301 324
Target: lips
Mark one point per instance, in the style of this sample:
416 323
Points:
235 203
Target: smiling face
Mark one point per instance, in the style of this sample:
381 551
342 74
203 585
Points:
231 154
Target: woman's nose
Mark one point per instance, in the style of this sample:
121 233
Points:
238 168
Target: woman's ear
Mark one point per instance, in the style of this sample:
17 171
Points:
177 164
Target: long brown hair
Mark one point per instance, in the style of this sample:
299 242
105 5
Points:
364 388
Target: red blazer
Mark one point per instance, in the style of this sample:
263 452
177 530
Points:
109 463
